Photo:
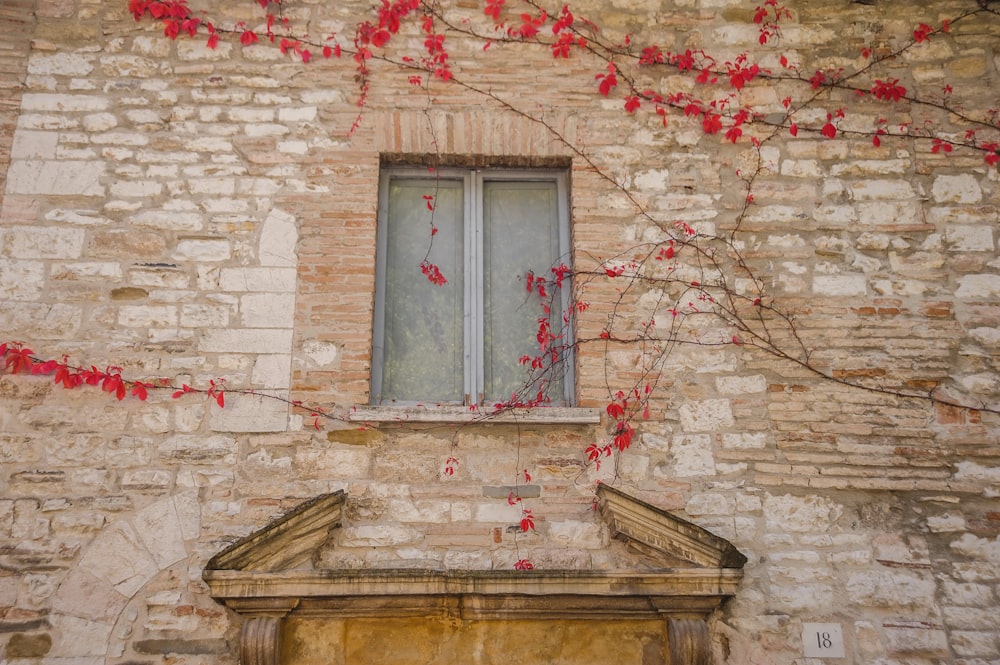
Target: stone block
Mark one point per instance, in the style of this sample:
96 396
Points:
900 590
978 548
741 385
84 595
43 243
496 512
272 371
213 186
969 238
297 113
887 213
422 510
202 250
978 287
268 310
118 557
249 413
143 480
21 280
709 503
136 188
381 535
578 534
278 239
247 340
706 415
195 449
58 178
87 271
840 285
144 316
811 514
63 103
745 440
274 280
869 190
28 645
691 455
963 188
34 145
915 638
170 220
159 529
204 316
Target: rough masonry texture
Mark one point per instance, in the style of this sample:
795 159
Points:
191 213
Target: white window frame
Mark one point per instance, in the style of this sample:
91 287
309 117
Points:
473 325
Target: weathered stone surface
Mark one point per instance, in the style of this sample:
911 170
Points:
23 645
190 213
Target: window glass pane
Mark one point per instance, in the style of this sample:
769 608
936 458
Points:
423 329
521 233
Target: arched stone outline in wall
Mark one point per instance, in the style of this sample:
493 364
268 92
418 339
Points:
119 562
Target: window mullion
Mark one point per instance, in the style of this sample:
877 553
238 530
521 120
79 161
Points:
474 288
472 353
566 294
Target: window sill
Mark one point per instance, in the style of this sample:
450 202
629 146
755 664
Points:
548 415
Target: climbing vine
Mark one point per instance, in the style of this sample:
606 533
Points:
695 274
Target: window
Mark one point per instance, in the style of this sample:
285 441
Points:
461 342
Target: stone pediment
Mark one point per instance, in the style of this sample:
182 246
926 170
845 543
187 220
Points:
687 573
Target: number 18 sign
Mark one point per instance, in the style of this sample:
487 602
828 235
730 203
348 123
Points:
822 640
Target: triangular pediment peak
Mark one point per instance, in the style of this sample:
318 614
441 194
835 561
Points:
276 573
663 535
651 538
286 543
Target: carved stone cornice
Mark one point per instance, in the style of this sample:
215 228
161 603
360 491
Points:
287 542
264 578
665 533
488 594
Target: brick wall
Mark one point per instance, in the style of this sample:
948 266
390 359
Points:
190 213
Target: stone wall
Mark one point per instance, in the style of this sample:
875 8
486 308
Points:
190 213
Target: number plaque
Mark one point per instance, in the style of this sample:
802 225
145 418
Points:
822 640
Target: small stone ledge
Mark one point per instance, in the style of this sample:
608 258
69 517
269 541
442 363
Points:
544 415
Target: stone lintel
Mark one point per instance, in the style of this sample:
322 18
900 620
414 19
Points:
478 594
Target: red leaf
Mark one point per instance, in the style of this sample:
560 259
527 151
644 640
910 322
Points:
615 410
712 123
139 390
527 522
433 273
793 129
19 360
829 131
